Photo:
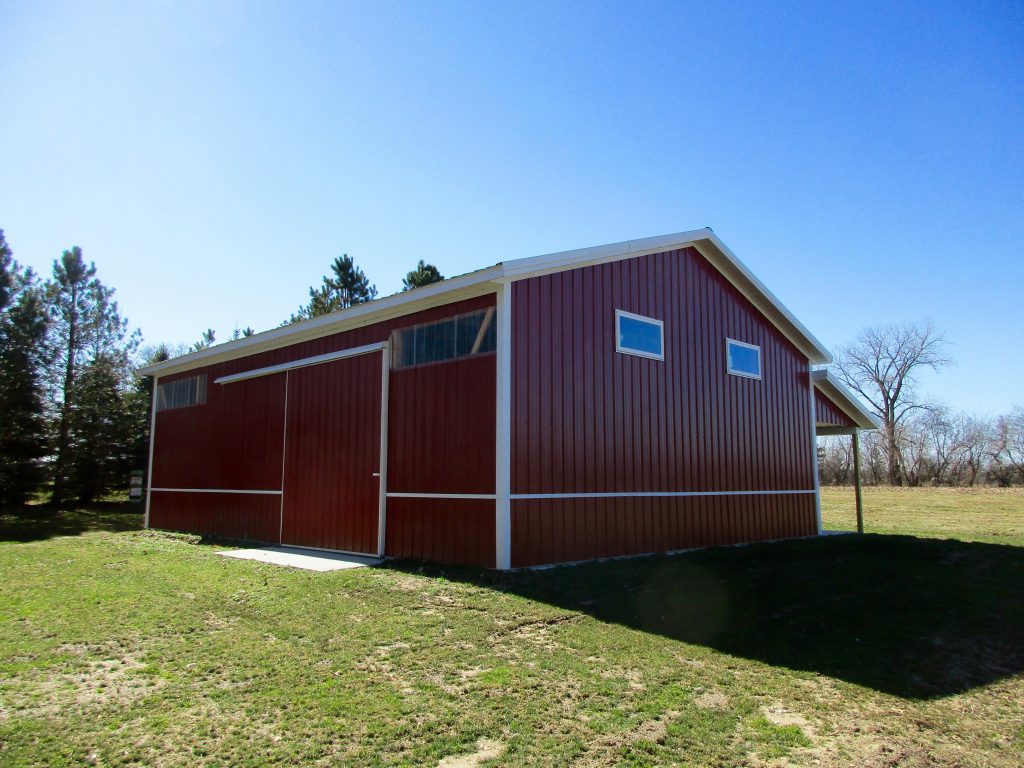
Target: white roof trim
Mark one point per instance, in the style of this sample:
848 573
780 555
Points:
484 281
845 400
396 305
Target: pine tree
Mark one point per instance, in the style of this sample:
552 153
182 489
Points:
86 326
100 431
208 339
23 442
424 274
345 287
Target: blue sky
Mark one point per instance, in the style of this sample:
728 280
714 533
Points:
866 161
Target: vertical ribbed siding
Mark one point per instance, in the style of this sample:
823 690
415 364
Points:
444 530
441 440
239 516
233 441
332 452
827 412
441 427
587 419
617 526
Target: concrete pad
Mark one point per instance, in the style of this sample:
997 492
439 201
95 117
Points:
306 559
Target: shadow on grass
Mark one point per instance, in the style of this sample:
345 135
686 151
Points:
918 618
38 522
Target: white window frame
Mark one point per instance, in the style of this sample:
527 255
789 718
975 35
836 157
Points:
744 374
620 313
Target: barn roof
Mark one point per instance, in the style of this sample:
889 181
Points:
483 281
829 386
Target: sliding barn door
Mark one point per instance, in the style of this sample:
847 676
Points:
332 455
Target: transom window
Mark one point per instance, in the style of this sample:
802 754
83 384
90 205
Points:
472 333
639 335
743 359
181 393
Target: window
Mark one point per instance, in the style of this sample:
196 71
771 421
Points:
181 393
638 335
473 333
743 359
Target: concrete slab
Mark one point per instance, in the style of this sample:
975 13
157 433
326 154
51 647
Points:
306 559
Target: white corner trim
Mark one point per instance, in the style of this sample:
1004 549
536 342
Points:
152 443
619 314
303 363
503 432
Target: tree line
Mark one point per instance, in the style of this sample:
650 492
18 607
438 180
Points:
74 413
921 441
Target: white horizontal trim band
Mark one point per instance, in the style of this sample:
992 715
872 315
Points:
214 490
399 495
303 363
638 494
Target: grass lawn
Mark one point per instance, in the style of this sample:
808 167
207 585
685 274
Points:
123 647
994 515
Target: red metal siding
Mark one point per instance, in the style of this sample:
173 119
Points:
827 412
441 440
441 427
566 530
587 419
232 442
333 450
445 530
246 517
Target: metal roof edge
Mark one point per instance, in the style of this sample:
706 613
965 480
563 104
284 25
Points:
395 305
844 399
712 248
705 241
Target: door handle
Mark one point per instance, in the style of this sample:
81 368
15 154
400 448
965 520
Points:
376 474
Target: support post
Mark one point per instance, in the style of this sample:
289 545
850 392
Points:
856 480
503 432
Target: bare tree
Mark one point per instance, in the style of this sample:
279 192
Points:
835 461
977 438
1007 448
881 366
915 456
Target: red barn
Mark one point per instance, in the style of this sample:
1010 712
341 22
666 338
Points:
640 397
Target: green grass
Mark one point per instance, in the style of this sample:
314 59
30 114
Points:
994 515
122 647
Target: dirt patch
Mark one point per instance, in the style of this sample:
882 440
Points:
536 632
713 699
81 681
602 751
486 749
217 623
780 715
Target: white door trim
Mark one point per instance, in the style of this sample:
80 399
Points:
303 363
382 494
